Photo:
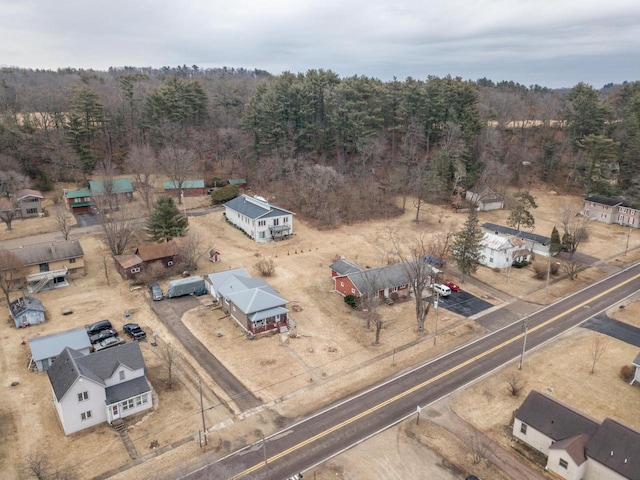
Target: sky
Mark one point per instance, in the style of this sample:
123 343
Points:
553 43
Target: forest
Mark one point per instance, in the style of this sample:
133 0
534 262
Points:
334 150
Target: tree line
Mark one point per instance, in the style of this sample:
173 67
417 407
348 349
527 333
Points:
337 150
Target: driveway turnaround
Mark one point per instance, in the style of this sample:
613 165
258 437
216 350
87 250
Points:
622 331
170 312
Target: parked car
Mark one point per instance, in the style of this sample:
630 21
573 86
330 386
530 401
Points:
441 290
155 291
103 335
134 331
108 343
453 286
431 260
98 327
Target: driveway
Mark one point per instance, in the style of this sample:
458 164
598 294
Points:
463 303
622 331
86 220
170 312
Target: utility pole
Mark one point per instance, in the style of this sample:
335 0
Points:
627 247
524 343
548 273
435 337
204 427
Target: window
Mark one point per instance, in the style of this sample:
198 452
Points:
276 222
523 428
563 463
32 211
83 396
261 235
262 223
121 375
72 260
142 399
85 415
342 284
127 404
44 267
73 270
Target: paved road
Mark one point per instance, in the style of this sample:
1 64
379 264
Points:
312 441
170 312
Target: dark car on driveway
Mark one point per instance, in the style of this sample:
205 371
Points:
155 291
98 327
103 335
134 331
108 343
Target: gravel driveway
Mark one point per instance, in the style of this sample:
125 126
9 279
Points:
170 312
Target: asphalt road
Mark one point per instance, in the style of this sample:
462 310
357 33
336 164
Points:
312 441
170 312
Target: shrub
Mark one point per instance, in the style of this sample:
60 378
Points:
352 301
224 194
265 267
626 372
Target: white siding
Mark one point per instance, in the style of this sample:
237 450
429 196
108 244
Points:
70 408
533 437
571 472
128 375
597 471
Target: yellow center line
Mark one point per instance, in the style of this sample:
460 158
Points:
428 382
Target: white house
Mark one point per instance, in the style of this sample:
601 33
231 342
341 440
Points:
99 387
45 349
576 446
259 219
502 252
538 244
636 373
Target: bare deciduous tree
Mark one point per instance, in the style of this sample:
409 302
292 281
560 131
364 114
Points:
64 221
106 172
598 348
40 466
142 162
192 249
10 182
168 355
118 228
178 164
515 383
12 272
265 267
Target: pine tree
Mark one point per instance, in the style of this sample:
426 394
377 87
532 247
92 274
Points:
166 221
466 251
555 245
521 215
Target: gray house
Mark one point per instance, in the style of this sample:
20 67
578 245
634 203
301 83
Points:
485 200
29 203
27 311
46 348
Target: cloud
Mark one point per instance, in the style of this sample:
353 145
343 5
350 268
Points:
520 40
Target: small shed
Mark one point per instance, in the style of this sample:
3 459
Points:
46 348
239 182
214 256
27 311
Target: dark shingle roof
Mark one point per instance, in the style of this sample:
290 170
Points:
254 208
492 227
574 446
48 252
618 447
553 418
97 366
155 251
380 278
611 202
342 267
24 304
122 391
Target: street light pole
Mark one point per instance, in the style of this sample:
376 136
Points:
524 342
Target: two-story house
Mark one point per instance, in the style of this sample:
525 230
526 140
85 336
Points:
259 219
29 203
48 265
99 387
78 201
611 210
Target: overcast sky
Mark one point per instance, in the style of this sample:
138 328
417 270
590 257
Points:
555 43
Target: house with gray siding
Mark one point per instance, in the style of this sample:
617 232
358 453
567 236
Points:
259 219
46 348
611 210
29 203
99 387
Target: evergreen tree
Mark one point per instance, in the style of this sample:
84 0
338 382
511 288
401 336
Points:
555 246
166 221
521 216
466 251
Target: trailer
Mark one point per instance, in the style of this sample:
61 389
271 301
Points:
186 286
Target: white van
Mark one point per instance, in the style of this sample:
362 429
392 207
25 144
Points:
441 290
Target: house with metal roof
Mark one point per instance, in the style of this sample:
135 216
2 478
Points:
577 446
27 311
188 188
78 201
538 244
49 265
99 387
259 219
500 252
611 210
46 348
636 373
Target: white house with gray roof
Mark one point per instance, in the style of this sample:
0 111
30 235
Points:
99 387
259 219
46 348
